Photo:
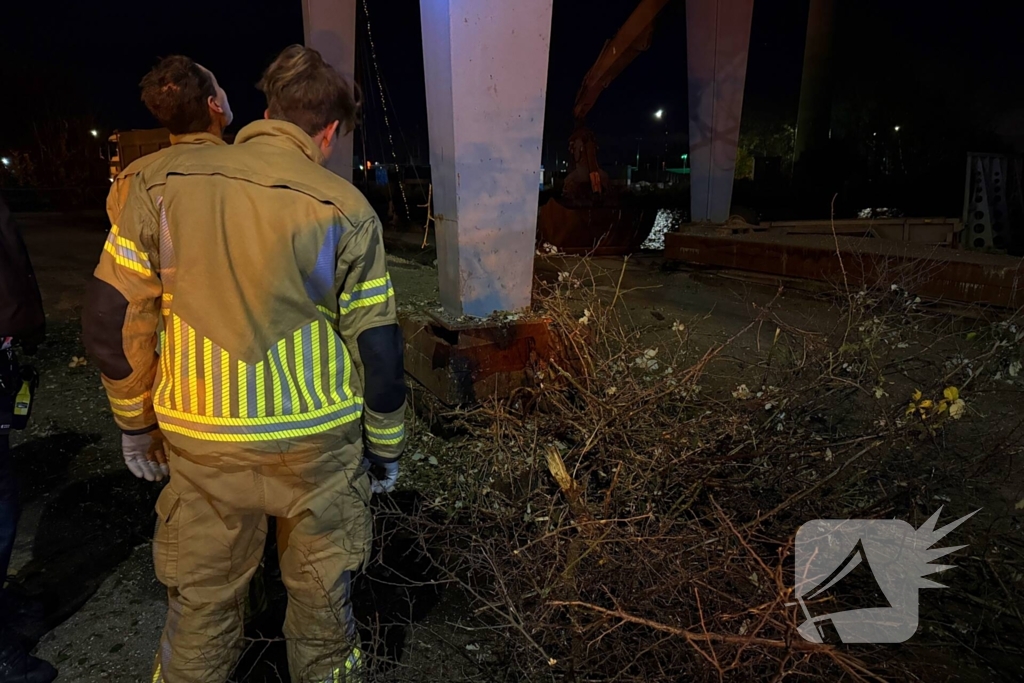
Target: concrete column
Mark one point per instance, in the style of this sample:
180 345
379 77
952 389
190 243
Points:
486 64
330 28
814 117
717 41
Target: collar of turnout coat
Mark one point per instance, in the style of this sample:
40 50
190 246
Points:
281 134
196 139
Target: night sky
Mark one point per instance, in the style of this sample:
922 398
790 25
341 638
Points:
934 65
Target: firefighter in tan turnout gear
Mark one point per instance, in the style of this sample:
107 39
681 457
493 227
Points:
185 98
264 276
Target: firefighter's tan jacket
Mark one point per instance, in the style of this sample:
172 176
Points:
118 194
259 270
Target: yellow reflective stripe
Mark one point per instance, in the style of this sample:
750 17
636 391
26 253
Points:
364 294
126 262
124 241
134 260
129 401
318 372
208 374
386 432
370 301
261 394
278 383
167 300
127 413
370 284
386 437
289 376
263 436
157 677
299 368
225 383
165 368
243 391
192 369
332 367
331 315
347 387
176 375
249 421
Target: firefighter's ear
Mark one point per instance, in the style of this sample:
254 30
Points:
326 138
266 114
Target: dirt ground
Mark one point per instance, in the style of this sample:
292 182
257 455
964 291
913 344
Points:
83 545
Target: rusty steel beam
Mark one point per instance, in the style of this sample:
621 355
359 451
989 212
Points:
933 272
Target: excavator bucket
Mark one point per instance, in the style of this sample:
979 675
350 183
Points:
594 230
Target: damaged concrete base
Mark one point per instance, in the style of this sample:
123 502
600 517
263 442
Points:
467 361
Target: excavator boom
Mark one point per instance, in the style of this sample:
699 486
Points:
633 38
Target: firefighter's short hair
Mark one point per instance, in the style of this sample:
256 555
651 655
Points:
303 89
176 92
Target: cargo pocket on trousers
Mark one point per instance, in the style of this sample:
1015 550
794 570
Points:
165 537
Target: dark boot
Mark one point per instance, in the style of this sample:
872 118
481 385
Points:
22 614
17 666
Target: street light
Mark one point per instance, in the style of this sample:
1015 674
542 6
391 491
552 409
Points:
896 128
5 161
95 133
658 114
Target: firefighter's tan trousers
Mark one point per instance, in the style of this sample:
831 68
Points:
211 527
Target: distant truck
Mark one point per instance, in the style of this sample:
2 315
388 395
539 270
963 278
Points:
124 147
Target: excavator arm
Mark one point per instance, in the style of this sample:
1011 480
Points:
633 38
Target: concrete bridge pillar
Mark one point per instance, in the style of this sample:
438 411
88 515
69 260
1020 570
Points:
486 64
717 42
330 28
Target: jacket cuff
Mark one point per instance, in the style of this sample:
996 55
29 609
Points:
133 414
136 432
384 434
376 459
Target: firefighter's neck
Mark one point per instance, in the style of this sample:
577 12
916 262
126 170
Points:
327 139
216 127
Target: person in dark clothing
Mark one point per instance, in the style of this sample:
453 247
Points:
22 325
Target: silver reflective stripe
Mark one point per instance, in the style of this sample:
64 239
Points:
186 371
218 389
167 264
286 393
307 367
250 386
342 354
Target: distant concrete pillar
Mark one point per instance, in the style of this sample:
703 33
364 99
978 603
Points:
814 117
717 41
330 28
486 65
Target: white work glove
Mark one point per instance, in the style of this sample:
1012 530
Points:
144 455
387 484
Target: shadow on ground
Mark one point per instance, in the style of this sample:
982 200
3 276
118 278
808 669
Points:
397 590
86 530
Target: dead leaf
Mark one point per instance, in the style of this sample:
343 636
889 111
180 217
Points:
957 409
557 468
